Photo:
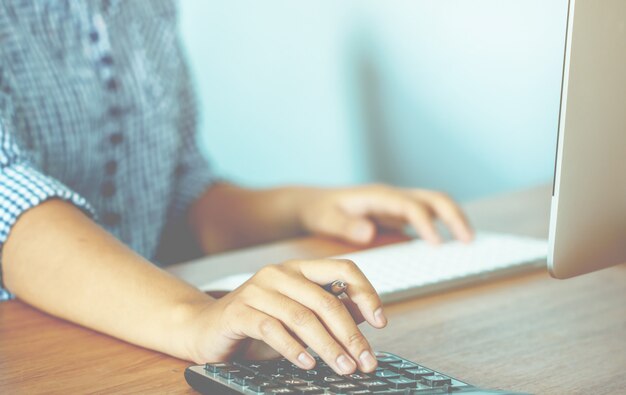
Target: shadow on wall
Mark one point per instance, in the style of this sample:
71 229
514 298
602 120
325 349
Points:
455 95
428 141
461 96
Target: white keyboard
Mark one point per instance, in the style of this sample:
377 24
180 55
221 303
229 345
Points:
414 267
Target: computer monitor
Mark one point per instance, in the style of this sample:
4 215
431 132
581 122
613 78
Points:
588 219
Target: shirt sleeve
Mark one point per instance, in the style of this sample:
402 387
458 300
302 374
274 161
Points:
23 187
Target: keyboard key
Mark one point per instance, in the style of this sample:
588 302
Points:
292 381
344 387
402 382
260 385
388 359
401 366
243 379
436 380
284 363
253 365
418 373
359 376
309 389
229 373
280 390
384 373
279 376
327 380
419 386
306 375
215 367
374 385
262 367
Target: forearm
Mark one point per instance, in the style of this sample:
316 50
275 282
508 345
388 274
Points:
228 217
58 260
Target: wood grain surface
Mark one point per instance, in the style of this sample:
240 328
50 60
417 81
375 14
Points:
529 333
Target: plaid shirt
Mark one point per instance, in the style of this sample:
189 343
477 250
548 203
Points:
97 109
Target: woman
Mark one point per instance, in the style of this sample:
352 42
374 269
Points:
99 168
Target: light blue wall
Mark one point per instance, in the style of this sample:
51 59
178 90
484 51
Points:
460 95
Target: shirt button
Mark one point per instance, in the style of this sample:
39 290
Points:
108 189
180 170
107 59
111 219
112 84
116 138
111 167
94 36
115 111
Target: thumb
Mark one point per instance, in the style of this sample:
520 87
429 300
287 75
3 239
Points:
338 224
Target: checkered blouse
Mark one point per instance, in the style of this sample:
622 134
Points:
96 108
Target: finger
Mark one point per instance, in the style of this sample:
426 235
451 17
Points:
261 326
337 223
421 219
307 326
449 212
395 203
360 290
257 350
333 314
390 223
352 307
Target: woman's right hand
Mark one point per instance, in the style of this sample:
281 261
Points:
284 306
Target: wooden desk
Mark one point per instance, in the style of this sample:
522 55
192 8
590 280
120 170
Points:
530 333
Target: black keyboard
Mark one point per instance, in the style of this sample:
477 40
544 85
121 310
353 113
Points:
393 376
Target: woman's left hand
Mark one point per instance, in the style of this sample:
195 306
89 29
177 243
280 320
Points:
353 214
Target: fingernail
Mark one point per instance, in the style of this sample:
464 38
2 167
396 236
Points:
361 233
306 361
464 234
346 365
379 316
367 360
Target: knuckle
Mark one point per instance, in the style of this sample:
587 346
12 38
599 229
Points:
249 291
372 295
270 270
331 303
419 212
330 348
301 317
349 270
267 326
291 349
369 295
232 308
356 340
346 264
290 263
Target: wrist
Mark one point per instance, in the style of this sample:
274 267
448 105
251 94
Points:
302 199
186 324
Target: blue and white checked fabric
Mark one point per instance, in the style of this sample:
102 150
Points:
97 108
